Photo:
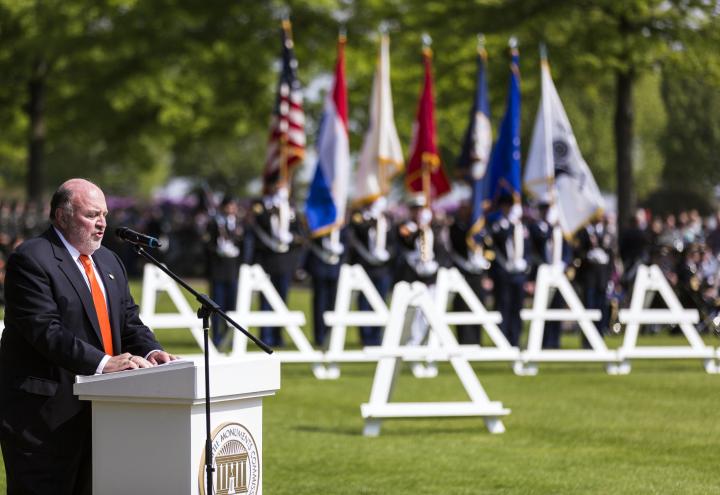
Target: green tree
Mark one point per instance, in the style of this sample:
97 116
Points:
128 92
692 137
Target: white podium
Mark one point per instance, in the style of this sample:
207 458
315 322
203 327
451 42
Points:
148 426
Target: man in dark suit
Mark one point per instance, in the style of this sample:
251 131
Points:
68 312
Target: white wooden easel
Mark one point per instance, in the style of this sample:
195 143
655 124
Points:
353 278
253 279
393 352
450 282
549 279
155 281
648 281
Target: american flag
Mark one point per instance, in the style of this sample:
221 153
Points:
286 146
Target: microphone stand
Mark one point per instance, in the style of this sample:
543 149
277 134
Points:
207 308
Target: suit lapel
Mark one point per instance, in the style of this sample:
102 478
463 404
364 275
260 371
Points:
67 265
112 296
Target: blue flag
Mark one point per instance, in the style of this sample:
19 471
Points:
477 144
503 176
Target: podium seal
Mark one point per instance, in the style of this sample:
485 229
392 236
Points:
235 459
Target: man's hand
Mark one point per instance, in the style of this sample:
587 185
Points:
126 361
160 357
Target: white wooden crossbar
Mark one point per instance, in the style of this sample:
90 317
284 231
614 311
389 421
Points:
468 318
560 315
267 318
663 316
570 356
356 318
667 352
433 410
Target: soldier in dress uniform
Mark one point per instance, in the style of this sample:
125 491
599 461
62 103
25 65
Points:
417 261
542 242
594 261
509 269
225 233
468 254
276 244
371 240
325 256
689 277
416 242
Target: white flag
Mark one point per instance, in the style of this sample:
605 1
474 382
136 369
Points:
555 172
381 157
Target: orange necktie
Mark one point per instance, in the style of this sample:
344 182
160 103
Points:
100 306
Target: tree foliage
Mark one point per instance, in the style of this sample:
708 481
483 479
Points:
135 92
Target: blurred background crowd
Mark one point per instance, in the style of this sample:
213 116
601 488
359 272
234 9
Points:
685 245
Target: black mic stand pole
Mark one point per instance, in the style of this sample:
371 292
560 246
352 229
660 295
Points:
207 308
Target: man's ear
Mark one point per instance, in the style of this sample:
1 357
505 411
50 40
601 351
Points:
61 218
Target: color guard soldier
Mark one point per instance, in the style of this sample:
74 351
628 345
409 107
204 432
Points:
371 240
225 232
469 257
509 269
276 245
542 243
594 260
417 261
324 259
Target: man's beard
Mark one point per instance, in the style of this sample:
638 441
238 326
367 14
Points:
85 243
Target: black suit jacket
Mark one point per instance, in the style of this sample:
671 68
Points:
52 334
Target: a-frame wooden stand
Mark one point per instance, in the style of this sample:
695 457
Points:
549 279
394 352
253 279
156 281
648 281
352 279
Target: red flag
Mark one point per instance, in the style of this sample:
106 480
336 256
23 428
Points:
286 146
425 172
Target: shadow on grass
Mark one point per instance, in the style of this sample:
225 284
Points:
425 430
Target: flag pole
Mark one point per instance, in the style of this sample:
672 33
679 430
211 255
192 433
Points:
481 50
335 232
553 219
284 180
426 158
518 234
382 167
549 158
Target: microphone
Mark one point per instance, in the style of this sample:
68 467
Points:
133 237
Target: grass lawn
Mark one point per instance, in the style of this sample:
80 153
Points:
573 429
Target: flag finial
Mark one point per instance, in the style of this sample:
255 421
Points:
427 43
481 45
513 46
284 13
